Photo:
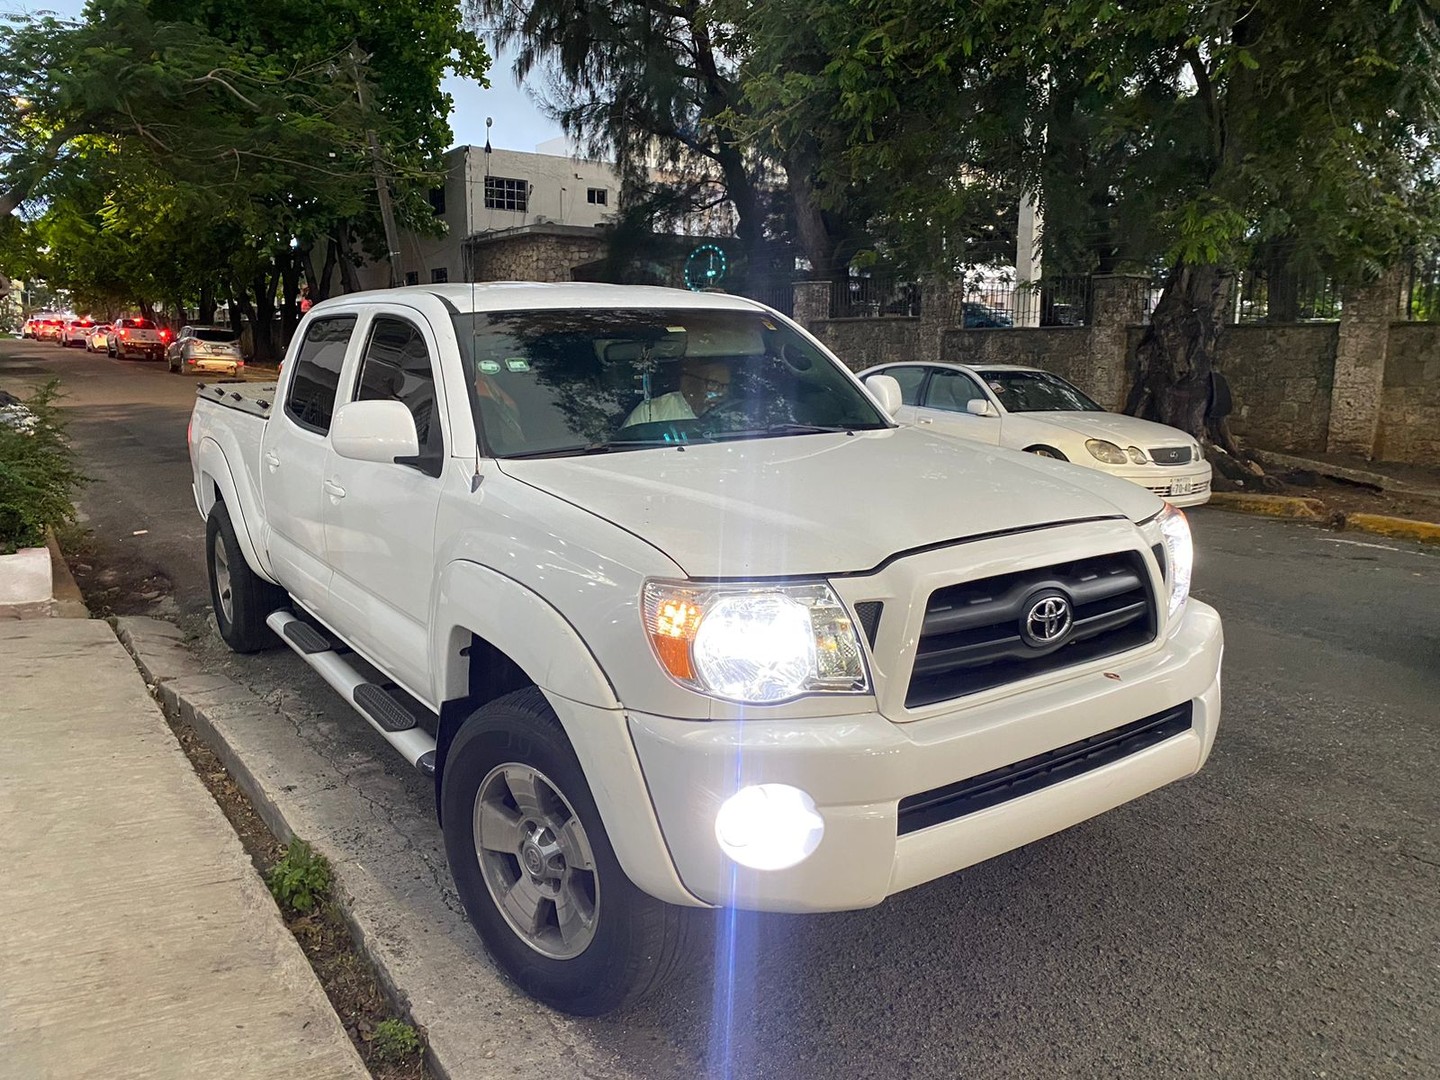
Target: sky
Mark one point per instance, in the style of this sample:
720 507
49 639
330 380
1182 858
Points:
519 124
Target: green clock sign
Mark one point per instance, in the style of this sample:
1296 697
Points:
704 268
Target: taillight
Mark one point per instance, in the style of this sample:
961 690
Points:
124 332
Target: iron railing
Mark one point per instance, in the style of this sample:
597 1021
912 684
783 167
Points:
874 296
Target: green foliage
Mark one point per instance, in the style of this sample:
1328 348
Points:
38 477
394 1040
300 881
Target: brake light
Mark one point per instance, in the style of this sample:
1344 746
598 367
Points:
124 331
165 334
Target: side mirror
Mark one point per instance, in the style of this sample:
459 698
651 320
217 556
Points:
886 392
378 431
979 407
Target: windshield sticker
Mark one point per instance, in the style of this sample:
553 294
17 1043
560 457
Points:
674 329
490 367
769 325
517 363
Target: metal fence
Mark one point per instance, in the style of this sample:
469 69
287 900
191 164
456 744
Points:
874 296
1419 298
778 293
1283 296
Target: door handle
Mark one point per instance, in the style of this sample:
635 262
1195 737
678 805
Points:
334 490
271 460
924 420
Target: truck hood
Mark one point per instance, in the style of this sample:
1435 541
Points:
813 505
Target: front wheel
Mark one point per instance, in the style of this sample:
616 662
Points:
241 598
535 869
1046 452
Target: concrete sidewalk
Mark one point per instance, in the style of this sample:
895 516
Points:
136 939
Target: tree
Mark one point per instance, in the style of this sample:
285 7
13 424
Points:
1221 125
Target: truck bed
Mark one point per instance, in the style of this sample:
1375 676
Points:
247 397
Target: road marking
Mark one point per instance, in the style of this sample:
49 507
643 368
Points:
1361 543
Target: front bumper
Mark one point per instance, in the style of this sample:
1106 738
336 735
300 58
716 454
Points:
857 768
1179 485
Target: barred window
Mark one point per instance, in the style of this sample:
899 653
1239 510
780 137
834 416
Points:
503 193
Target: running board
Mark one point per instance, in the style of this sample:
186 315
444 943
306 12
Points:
394 716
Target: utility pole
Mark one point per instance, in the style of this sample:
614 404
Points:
382 187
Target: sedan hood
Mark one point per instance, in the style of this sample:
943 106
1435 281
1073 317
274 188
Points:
824 504
1117 428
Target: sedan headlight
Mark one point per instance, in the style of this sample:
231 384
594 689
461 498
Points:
756 644
1104 451
1179 556
1136 455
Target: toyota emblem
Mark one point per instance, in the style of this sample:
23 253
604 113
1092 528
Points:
1048 621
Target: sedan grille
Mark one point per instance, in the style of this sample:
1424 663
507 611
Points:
982 634
1171 455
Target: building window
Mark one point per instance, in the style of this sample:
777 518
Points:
502 193
440 275
412 277
437 200
596 196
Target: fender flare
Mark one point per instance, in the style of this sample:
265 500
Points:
211 464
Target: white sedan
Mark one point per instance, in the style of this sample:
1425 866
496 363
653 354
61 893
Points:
1030 409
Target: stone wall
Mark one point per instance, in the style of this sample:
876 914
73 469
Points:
534 253
862 343
1281 378
1410 400
1064 350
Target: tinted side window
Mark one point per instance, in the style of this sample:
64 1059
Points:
951 390
397 367
311 398
909 379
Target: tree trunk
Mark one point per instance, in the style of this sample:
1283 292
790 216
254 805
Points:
1176 356
262 323
349 280
206 308
815 238
320 290
289 296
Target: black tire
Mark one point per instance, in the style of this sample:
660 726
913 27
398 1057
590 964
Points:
639 942
1046 452
240 615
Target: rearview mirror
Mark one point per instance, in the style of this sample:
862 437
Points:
979 407
379 431
886 392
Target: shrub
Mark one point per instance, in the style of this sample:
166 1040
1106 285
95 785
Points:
300 880
38 477
394 1040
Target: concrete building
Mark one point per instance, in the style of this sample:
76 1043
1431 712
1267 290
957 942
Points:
498 191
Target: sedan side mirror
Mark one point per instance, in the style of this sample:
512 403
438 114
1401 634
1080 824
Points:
886 392
979 407
379 431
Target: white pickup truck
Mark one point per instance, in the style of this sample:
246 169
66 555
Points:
678 618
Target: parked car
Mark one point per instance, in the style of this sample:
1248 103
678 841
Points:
77 332
676 617
205 349
978 316
99 338
49 328
130 338
1023 408
30 327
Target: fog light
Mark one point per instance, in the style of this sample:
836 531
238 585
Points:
769 826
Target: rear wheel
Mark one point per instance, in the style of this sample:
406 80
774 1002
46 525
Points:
535 869
240 597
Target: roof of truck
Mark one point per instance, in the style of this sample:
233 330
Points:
529 295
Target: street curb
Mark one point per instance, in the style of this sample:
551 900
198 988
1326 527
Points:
501 1033
1279 506
1344 472
1396 528
69 602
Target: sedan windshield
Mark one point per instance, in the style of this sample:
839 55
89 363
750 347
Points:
1037 391
556 382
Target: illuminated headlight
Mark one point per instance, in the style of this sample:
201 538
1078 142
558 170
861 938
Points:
1179 556
1107 452
756 644
769 826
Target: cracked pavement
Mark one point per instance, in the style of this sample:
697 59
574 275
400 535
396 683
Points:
1276 915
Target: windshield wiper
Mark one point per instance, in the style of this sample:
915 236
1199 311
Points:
582 449
777 430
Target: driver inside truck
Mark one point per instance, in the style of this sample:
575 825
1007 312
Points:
704 383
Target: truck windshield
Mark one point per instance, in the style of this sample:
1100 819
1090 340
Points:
555 382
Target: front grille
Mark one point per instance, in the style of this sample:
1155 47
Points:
972 636
942 804
868 613
1171 455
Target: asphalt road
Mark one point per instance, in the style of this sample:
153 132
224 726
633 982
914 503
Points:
1276 916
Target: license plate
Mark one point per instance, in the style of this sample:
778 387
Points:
1181 487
